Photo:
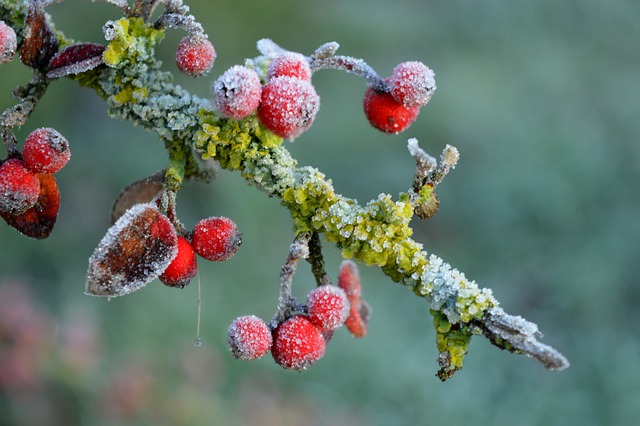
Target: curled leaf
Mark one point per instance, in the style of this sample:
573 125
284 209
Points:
134 252
40 43
141 191
75 59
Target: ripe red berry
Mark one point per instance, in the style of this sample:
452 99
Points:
19 187
237 92
328 307
387 115
288 106
45 151
216 238
195 56
249 338
297 343
412 84
289 64
8 43
182 268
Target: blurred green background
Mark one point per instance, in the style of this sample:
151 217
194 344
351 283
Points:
542 99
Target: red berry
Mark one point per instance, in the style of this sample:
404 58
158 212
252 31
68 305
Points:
359 311
249 338
182 268
412 84
195 56
8 43
387 115
297 343
328 307
288 106
289 64
237 92
216 238
46 151
19 187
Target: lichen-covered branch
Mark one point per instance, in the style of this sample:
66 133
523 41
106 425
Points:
378 233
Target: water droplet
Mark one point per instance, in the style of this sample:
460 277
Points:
197 342
108 299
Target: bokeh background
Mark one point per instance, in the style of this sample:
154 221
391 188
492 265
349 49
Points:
542 99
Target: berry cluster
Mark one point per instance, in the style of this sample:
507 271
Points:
300 339
29 195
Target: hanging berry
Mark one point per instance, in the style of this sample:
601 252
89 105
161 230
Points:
19 187
249 338
386 114
183 268
297 343
216 238
195 55
46 151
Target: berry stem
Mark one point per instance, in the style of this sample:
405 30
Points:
317 261
353 66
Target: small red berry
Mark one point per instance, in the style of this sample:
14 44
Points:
19 187
216 238
237 92
359 310
195 56
8 43
182 268
412 84
46 151
249 338
328 307
387 115
288 106
289 64
297 343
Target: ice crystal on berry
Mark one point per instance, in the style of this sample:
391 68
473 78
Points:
297 343
328 307
237 92
412 84
249 338
289 64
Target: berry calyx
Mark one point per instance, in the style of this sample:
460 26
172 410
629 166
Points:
289 64
297 343
412 84
249 338
328 307
288 106
195 55
19 187
216 238
46 151
8 43
385 114
182 268
237 92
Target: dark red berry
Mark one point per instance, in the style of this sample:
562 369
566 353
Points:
19 187
195 56
46 151
288 106
216 238
297 343
385 114
412 84
249 338
183 268
8 43
328 307
289 64
237 92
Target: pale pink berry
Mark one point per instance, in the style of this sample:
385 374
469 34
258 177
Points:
249 338
289 64
412 84
45 151
237 92
297 343
288 106
195 56
328 307
8 43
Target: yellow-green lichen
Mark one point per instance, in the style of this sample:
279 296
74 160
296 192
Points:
452 341
133 39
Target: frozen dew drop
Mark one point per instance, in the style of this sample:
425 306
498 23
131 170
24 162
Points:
197 342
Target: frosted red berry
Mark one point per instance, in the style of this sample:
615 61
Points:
249 338
237 92
385 114
8 43
288 106
297 343
216 238
182 268
195 56
289 64
46 151
359 311
412 84
19 187
328 307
